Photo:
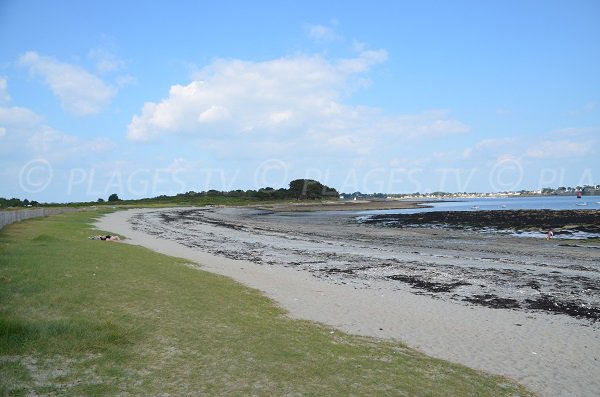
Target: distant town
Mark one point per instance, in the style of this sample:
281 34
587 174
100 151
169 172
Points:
587 190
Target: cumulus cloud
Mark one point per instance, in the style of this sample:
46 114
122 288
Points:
214 114
559 149
233 96
296 102
80 92
25 133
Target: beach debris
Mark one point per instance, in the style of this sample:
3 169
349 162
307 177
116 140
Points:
493 301
430 286
574 308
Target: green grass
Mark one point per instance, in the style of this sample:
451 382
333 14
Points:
83 317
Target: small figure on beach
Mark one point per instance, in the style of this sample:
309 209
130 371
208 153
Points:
108 237
550 235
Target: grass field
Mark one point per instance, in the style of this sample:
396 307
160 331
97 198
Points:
83 317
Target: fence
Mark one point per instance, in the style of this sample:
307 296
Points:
8 217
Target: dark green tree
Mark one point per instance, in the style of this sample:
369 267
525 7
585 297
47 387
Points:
310 189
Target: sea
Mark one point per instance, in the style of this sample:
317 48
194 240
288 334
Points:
501 203
505 204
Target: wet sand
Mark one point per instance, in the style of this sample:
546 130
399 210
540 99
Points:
436 290
358 205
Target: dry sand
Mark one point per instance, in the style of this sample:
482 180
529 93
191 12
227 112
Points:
554 355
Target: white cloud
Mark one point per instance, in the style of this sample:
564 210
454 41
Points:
48 140
80 92
293 102
4 97
236 96
214 114
366 59
322 33
58 146
16 118
559 149
24 133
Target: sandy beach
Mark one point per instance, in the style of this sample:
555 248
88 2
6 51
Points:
453 294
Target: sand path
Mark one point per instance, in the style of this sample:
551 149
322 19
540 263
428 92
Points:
551 354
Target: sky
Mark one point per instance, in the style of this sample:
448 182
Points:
145 98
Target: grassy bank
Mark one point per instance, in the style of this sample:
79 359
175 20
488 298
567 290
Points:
83 317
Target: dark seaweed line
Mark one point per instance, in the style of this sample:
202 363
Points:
544 303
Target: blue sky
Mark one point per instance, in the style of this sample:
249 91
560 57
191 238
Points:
147 98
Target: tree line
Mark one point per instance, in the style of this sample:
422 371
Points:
298 189
15 202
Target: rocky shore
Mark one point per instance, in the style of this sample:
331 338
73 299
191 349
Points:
539 220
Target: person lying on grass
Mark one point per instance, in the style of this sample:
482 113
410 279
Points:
105 238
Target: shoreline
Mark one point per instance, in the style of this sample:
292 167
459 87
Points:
532 348
359 205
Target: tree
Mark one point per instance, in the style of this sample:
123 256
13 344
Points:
311 189
113 197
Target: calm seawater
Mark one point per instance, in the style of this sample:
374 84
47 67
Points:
509 203
503 203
